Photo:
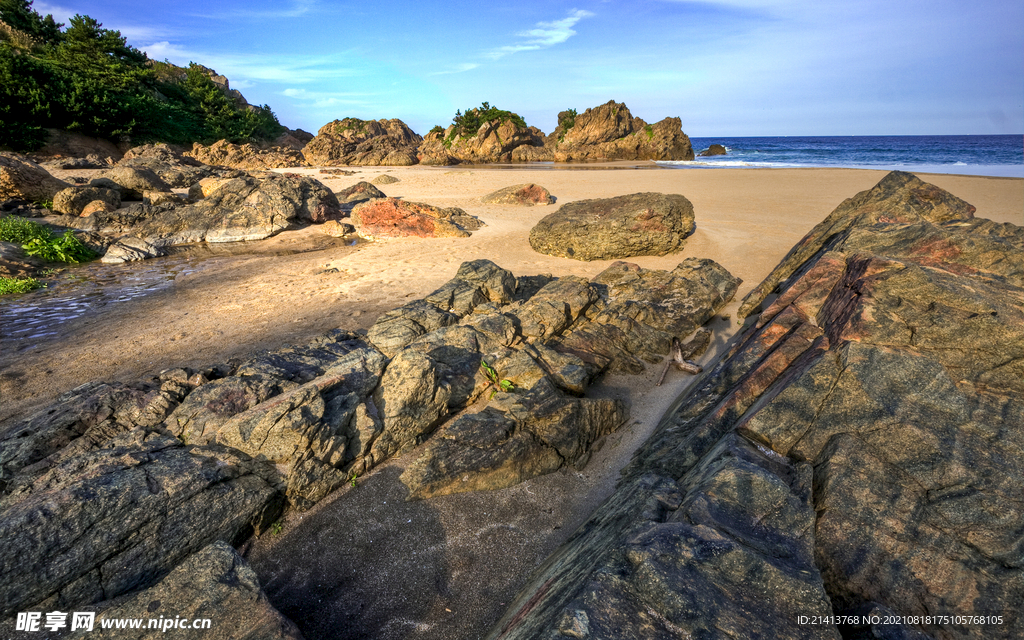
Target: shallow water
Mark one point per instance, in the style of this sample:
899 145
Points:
29 318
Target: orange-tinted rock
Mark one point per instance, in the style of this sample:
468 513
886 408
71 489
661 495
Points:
394 218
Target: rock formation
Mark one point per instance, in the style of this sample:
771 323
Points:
520 194
640 224
384 178
246 156
394 218
610 132
244 207
856 451
713 150
352 141
494 141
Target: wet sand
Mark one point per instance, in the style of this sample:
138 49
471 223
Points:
365 563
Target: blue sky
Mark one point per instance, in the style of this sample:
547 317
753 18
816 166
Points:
725 67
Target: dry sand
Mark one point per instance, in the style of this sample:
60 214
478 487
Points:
364 563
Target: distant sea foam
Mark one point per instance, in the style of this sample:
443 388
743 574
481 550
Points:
1001 155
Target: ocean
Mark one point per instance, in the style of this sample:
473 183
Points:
1001 155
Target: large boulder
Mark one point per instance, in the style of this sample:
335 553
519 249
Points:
131 182
640 224
352 141
246 156
856 451
358 193
520 194
22 179
394 218
215 584
72 201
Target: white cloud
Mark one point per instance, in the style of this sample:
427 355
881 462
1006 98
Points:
327 98
297 9
461 68
59 13
542 36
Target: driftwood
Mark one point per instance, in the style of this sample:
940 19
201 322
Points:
681 354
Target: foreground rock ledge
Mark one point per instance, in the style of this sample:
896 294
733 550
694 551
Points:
858 450
108 489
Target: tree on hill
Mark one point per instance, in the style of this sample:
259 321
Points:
90 80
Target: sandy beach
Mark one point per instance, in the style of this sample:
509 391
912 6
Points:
364 563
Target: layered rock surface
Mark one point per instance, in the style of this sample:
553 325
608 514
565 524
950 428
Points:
857 450
214 584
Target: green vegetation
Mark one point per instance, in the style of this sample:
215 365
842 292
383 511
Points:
566 120
89 80
276 528
18 285
437 129
38 240
499 383
467 124
352 479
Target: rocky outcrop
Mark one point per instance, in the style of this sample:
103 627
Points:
473 337
384 178
493 141
845 456
639 224
713 150
22 179
520 194
394 218
246 207
246 156
169 163
214 584
352 141
294 139
611 132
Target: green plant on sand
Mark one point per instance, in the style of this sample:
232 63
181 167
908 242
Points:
38 240
499 383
